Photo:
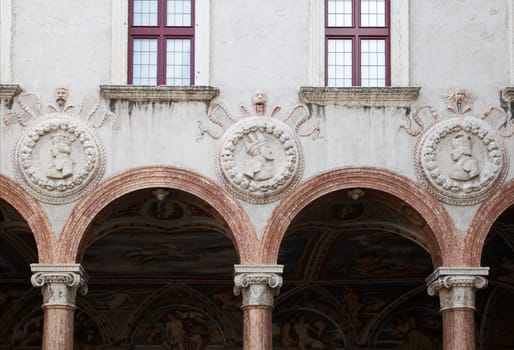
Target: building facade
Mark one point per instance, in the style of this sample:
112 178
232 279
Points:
220 174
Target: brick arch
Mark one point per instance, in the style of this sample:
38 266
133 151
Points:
71 245
442 239
484 219
32 211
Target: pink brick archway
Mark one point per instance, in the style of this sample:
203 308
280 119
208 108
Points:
484 219
442 238
71 245
30 209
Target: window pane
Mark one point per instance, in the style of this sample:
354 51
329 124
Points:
178 13
144 63
178 62
339 72
373 70
339 13
145 12
372 13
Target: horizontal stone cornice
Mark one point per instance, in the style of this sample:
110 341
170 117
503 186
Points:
443 271
360 96
161 94
8 91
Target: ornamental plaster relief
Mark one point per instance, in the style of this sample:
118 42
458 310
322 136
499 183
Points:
461 159
58 157
259 156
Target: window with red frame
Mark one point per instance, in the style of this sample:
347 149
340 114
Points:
161 42
357 43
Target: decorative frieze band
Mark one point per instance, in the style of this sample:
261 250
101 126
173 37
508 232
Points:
59 283
456 286
257 283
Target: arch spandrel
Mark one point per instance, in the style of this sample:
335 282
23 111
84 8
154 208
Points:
482 222
32 211
441 238
72 241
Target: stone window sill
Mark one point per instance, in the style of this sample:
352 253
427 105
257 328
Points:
162 94
8 91
360 96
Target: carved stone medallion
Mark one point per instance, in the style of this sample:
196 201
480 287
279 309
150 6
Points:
460 160
59 158
259 158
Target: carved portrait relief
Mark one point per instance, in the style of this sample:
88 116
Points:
259 158
461 159
58 156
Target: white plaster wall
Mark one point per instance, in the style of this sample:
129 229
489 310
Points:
461 43
61 43
257 44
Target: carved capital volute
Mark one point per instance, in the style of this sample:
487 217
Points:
59 283
258 284
456 286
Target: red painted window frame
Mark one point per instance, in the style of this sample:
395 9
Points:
356 33
160 32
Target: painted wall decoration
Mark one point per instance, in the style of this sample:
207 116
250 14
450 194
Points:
178 327
58 157
460 160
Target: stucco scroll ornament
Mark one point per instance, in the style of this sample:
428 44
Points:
259 156
460 159
58 157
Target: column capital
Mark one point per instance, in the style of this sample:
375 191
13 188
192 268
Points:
59 283
456 286
257 283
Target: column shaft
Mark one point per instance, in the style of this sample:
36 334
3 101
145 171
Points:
58 328
458 329
257 333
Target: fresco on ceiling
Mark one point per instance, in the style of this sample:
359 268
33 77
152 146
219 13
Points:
372 254
178 327
495 304
158 254
500 258
305 329
12 263
294 253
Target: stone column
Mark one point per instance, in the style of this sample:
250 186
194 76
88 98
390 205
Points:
456 287
258 284
59 283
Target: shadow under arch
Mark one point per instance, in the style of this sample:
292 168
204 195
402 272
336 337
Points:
72 243
442 239
482 222
32 211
